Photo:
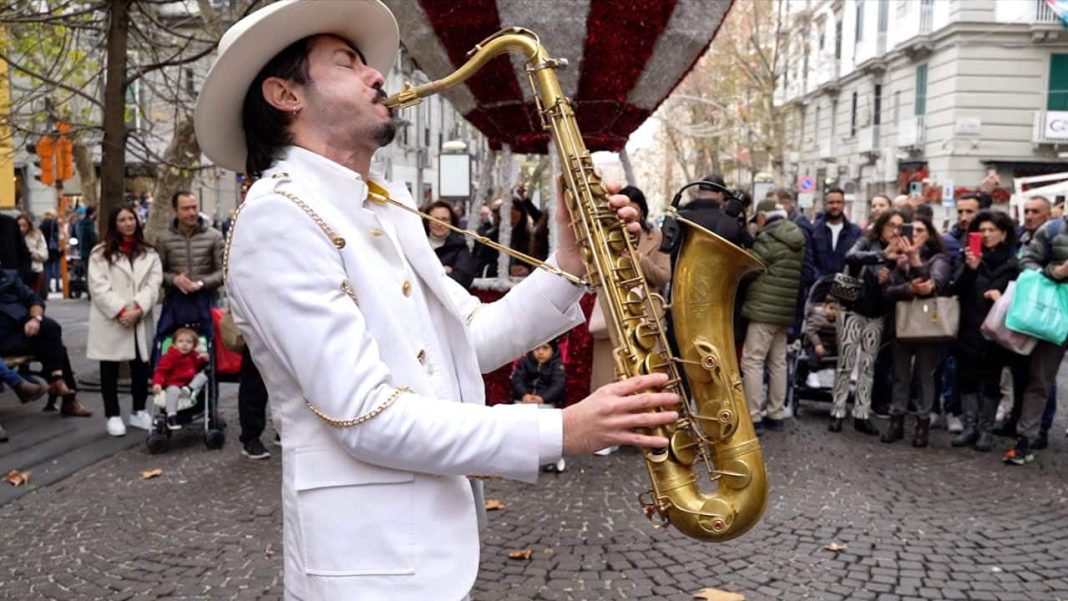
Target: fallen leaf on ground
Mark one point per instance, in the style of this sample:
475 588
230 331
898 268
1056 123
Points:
524 554
17 478
494 504
836 547
714 594
149 474
548 551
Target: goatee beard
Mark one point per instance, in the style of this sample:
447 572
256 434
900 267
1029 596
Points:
385 133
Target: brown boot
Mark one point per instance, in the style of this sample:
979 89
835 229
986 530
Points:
923 430
30 391
59 388
72 407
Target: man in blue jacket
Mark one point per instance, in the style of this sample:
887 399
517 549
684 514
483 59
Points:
832 237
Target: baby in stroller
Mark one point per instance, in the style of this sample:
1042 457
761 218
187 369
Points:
820 319
180 373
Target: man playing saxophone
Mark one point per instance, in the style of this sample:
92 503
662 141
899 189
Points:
371 354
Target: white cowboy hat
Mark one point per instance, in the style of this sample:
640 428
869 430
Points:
253 41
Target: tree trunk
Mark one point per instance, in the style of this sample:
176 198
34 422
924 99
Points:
83 164
113 161
180 159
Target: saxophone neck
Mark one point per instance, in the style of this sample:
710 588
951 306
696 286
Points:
512 39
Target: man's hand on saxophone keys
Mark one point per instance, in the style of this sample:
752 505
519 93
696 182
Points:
612 414
568 256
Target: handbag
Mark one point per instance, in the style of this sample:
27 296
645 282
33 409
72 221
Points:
227 360
231 336
1039 308
995 330
847 288
934 319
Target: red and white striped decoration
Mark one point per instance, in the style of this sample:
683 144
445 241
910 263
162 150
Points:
625 57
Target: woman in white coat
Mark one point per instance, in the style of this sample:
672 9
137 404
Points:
38 247
125 275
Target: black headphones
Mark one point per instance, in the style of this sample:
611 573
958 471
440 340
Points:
670 228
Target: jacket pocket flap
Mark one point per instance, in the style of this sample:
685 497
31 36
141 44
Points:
322 469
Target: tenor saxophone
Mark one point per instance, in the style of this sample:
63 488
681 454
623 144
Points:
690 339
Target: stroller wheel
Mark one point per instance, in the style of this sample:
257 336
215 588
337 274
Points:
157 444
214 439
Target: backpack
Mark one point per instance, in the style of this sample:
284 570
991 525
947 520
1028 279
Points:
1053 229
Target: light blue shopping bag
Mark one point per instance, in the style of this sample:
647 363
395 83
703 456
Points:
1039 308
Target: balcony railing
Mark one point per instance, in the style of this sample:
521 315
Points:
926 17
911 132
868 140
1051 127
1044 13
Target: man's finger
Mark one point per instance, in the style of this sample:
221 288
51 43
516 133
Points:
613 187
636 384
646 401
643 440
649 419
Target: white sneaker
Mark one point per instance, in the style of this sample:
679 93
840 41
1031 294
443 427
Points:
116 427
605 452
953 423
141 419
933 420
560 465
813 380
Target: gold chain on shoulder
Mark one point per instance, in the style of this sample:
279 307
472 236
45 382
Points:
356 421
339 243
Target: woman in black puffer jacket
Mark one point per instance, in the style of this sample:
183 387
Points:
923 271
979 282
451 247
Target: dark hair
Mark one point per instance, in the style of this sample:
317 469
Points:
971 196
113 239
454 219
875 232
934 242
716 183
267 128
923 211
177 195
638 197
833 190
24 216
1000 220
782 193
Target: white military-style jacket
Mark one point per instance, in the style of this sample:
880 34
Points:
348 314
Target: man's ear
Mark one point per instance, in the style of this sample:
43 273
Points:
282 94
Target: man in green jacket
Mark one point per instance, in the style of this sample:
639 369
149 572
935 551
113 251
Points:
769 307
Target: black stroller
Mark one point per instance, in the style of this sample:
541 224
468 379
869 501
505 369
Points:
810 379
193 312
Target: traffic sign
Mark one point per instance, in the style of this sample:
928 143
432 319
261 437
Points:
806 184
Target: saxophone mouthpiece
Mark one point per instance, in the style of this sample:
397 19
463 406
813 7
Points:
405 98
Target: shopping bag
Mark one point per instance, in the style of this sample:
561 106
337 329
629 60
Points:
931 319
994 329
1039 308
226 361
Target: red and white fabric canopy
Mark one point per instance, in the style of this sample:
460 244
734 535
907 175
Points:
625 57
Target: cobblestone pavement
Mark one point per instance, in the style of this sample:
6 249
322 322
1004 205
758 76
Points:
939 523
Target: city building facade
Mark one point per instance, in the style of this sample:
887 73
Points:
923 96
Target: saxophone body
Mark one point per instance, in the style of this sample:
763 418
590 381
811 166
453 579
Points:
690 338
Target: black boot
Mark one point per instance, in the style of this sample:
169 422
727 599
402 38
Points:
835 425
923 431
864 426
988 409
970 404
896 431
